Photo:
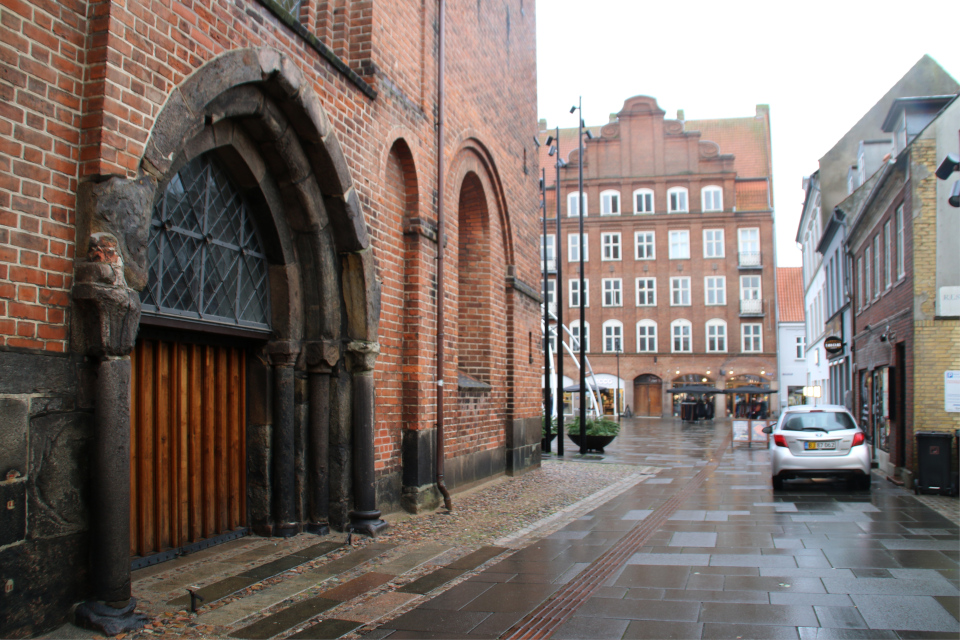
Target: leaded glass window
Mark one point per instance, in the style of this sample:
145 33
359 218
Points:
205 260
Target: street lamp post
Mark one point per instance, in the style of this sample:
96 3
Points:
617 393
547 408
558 293
583 350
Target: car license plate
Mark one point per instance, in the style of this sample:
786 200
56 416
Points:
819 445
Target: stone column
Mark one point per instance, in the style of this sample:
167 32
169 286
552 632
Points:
108 317
365 518
321 357
283 356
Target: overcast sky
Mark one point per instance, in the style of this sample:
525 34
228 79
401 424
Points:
819 65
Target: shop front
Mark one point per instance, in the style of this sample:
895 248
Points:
748 396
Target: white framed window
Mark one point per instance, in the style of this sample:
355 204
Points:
716 336
574 291
677 200
680 245
711 198
573 204
647 336
749 240
612 292
573 247
613 336
877 260
551 294
680 291
749 287
888 254
713 243
751 338
548 252
681 332
715 290
643 201
868 259
646 292
859 283
645 242
800 348
575 336
610 203
900 261
610 246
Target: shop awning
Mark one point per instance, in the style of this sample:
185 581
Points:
749 389
695 388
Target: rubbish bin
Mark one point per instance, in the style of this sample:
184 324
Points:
933 463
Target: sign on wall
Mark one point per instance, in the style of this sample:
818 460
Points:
833 344
951 391
949 301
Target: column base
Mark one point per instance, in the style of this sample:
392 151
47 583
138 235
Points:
286 530
367 522
318 528
108 620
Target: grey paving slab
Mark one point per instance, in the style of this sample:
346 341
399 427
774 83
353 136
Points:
285 619
722 631
746 560
510 597
456 597
637 514
820 633
812 599
641 609
327 630
920 545
859 558
590 628
839 617
449 622
497 623
651 576
662 630
794 585
806 572
693 539
700 595
772 614
913 613
705 581
890 586
680 559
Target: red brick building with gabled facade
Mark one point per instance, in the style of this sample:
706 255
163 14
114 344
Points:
221 232
679 257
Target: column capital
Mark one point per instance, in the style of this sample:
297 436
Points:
322 355
108 310
283 353
362 356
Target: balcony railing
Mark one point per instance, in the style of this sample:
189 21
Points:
551 265
751 307
750 259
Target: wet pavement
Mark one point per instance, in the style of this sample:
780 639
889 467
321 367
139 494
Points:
706 549
672 533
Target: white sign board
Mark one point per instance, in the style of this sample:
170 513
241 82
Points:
951 391
949 301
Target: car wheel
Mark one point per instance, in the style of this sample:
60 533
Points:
777 483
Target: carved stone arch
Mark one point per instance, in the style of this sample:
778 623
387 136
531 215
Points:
264 93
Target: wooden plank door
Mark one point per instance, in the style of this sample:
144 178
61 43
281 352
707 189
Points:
187 444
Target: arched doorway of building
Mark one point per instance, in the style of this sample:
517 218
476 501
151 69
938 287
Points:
648 396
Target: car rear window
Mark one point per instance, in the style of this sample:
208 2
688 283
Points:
818 421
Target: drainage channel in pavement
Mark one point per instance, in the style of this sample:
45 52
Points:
545 619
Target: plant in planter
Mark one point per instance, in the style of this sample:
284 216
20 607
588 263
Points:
600 433
543 428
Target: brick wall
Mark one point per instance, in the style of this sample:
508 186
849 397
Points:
936 340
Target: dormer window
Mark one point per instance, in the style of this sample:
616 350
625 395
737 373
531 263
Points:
712 198
677 200
610 203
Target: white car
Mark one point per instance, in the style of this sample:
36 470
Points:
811 441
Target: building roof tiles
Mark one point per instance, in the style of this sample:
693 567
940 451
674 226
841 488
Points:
790 294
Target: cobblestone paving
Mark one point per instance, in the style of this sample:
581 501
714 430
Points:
509 512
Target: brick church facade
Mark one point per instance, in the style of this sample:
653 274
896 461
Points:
224 232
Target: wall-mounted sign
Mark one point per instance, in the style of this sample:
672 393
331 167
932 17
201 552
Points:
951 391
833 344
